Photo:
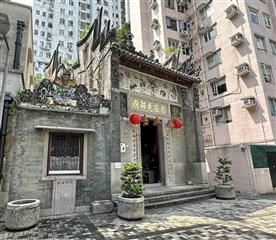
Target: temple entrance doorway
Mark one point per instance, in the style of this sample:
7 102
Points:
150 149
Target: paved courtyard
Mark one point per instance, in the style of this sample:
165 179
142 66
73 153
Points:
208 219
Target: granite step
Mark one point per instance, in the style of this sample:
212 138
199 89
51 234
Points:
177 195
175 201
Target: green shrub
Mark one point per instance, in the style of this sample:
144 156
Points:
223 175
132 183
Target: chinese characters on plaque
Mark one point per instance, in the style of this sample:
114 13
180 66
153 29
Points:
147 106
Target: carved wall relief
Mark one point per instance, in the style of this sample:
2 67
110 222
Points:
151 86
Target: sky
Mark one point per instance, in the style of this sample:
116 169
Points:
26 2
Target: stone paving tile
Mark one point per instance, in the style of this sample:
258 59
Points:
208 219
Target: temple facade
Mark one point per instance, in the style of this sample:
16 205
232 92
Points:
72 134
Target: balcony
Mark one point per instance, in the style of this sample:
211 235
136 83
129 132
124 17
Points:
231 11
242 69
236 39
156 45
153 4
183 33
155 24
248 102
204 26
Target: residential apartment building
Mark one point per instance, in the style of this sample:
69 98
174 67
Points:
61 22
234 45
159 26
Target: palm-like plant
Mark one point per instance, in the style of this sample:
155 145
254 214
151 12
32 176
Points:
223 175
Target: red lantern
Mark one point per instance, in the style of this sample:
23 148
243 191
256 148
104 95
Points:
135 119
178 123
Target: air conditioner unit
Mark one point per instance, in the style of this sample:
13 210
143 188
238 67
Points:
156 45
203 28
242 69
236 39
184 33
216 112
231 11
248 102
155 23
153 4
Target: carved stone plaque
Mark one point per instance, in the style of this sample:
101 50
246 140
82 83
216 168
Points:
64 196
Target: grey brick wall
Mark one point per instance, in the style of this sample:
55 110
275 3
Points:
27 157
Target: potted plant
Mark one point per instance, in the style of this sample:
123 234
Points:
131 201
224 188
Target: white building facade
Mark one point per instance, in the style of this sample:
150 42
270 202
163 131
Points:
61 22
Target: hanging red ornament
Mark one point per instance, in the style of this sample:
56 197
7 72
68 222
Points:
170 124
178 123
135 119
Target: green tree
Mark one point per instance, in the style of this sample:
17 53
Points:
121 33
85 30
37 79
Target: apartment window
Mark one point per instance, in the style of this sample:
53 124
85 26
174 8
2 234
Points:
62 10
70 23
71 2
267 21
41 44
50 15
180 7
44 14
99 1
273 46
260 42
35 32
83 16
65 154
70 12
70 34
105 12
219 86
225 116
40 54
267 72
61 21
169 4
48 55
36 22
61 43
272 104
88 6
173 43
49 45
211 34
37 12
42 33
171 23
43 24
50 25
61 32
69 45
186 48
214 60
254 16
207 11
49 36
183 25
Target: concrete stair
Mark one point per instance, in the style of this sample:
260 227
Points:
170 196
